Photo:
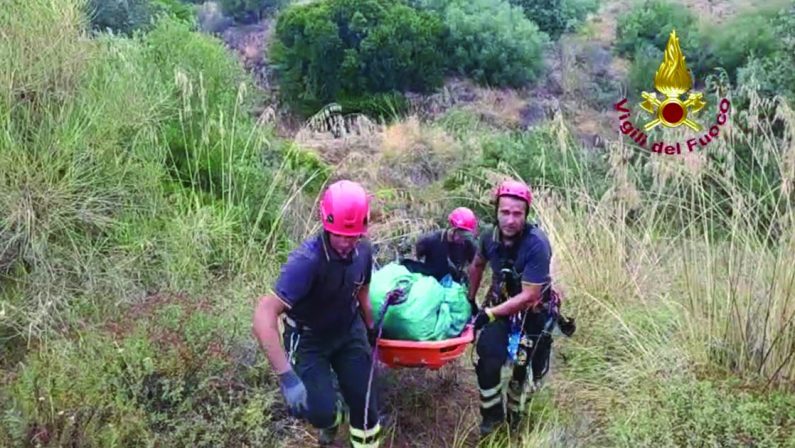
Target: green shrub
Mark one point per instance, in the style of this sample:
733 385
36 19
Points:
119 15
250 10
492 42
745 36
352 48
173 47
126 16
556 17
645 61
177 9
437 6
135 161
209 125
727 45
745 418
651 22
774 74
172 381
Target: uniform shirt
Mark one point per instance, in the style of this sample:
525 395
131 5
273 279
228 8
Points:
528 259
320 288
436 249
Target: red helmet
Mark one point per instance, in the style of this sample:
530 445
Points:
516 189
345 209
464 219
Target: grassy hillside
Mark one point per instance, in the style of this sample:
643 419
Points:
144 207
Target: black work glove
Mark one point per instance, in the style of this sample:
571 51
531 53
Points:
474 309
482 318
567 325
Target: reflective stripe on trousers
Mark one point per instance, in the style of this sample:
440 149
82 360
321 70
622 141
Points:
491 397
517 395
366 439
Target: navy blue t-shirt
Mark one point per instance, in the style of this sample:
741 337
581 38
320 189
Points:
528 258
320 287
439 253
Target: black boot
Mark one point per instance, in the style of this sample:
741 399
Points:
514 420
327 436
488 425
491 410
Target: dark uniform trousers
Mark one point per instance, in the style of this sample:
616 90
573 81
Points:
348 353
492 348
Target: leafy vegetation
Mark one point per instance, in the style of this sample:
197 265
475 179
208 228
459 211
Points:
556 17
346 48
649 23
772 74
755 34
246 11
143 208
335 51
493 43
126 16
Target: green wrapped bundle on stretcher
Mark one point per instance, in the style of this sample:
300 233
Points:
432 311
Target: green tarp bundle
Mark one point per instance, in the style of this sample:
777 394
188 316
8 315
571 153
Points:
431 311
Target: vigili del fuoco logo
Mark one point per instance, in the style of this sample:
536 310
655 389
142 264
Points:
673 80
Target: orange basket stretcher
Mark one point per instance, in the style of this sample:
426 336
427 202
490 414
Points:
426 354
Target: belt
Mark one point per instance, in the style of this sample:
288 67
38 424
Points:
290 322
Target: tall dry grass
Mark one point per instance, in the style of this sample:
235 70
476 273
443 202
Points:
731 291
118 179
666 295
681 276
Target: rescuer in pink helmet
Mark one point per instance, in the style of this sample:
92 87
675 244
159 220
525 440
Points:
322 293
520 305
449 250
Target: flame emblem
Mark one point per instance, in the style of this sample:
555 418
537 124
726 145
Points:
672 80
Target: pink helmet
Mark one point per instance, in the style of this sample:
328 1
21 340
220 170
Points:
516 189
345 209
464 219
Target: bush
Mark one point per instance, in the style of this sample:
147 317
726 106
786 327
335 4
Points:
126 16
651 22
774 74
247 11
176 9
492 42
215 146
745 36
645 61
352 48
118 15
173 47
556 17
